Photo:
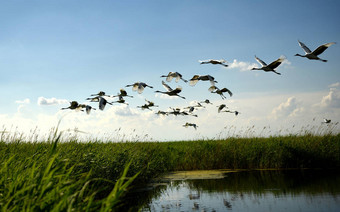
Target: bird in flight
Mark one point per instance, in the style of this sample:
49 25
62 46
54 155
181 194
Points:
147 105
190 125
170 91
326 121
88 108
102 103
100 93
120 100
211 61
172 75
122 93
196 78
139 86
74 105
220 107
229 111
313 55
269 67
207 101
214 89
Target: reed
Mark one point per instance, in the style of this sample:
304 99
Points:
64 175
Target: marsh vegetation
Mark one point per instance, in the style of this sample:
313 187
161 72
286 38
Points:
62 174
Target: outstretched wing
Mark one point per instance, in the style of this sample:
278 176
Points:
193 81
322 48
140 88
166 86
169 76
304 47
260 61
212 88
228 91
276 63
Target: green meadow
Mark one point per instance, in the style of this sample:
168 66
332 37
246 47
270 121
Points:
71 175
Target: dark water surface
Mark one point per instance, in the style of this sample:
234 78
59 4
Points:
288 190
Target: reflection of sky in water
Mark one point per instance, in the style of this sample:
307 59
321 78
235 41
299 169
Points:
180 197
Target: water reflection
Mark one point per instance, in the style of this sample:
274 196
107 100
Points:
289 190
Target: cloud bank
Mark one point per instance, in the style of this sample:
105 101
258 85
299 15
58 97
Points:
51 101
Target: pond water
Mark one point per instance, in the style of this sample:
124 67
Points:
258 190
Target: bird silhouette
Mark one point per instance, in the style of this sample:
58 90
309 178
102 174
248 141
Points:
88 108
326 121
120 100
313 55
172 75
122 93
214 62
139 86
102 103
229 111
100 93
207 101
220 107
271 66
190 125
170 91
193 81
214 89
161 113
93 99
74 105
147 105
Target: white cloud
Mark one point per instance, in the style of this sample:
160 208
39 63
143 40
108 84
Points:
51 101
243 66
286 62
287 108
337 84
25 101
331 100
165 96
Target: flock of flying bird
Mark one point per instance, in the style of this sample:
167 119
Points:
139 87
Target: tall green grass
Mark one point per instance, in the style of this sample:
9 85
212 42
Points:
95 175
46 181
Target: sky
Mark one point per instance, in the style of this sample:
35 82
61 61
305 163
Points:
54 52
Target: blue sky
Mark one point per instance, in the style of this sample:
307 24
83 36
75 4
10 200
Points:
68 50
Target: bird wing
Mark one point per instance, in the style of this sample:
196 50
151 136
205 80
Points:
178 76
204 61
212 88
88 109
276 63
221 107
166 86
193 81
102 103
123 92
74 104
140 88
322 48
135 86
177 90
169 76
304 47
211 79
260 61
227 90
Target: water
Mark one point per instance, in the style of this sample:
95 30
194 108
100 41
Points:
289 190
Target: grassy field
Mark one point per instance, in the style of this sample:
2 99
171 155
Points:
94 175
